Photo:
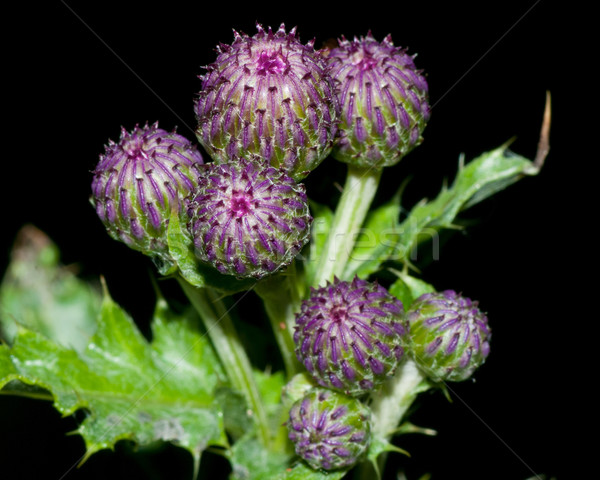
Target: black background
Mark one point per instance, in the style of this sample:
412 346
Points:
81 70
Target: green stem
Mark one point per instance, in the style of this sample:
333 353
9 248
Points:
223 335
280 297
390 405
359 191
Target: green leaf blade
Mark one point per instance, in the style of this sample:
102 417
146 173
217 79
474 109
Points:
130 389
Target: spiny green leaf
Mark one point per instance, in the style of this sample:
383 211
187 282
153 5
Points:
181 248
42 295
131 389
378 446
487 174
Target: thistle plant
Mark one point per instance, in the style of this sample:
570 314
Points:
358 335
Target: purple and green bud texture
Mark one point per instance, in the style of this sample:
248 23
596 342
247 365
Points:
248 219
268 97
138 182
350 336
449 335
384 102
329 430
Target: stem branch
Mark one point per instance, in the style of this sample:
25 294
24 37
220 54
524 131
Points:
359 191
223 335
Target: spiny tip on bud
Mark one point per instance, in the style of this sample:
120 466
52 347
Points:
449 335
247 219
329 430
350 336
384 102
139 180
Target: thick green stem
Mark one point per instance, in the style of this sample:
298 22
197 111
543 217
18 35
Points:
280 298
389 406
232 354
359 191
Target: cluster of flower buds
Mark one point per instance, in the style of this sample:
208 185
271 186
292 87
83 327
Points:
270 110
268 114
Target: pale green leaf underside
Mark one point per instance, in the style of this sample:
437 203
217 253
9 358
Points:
42 295
131 389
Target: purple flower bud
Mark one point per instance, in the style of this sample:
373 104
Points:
449 335
384 101
329 430
137 183
350 335
247 219
268 97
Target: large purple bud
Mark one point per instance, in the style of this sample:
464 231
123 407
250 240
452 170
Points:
139 181
268 97
384 102
248 219
350 336
449 335
329 430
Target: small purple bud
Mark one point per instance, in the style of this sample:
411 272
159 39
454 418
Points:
138 182
329 430
384 102
449 335
350 335
247 219
268 97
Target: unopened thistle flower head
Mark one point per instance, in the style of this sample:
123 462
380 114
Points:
384 102
268 97
248 219
449 335
139 180
329 430
350 336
